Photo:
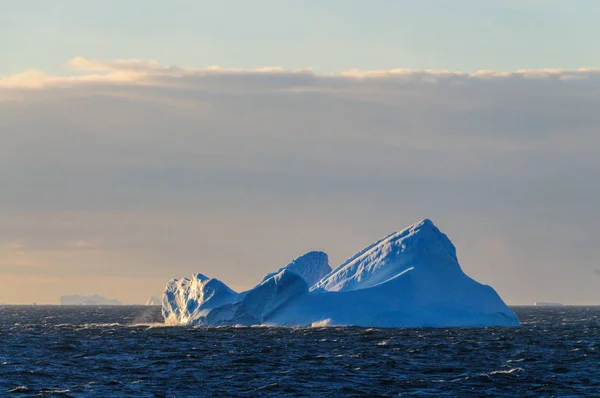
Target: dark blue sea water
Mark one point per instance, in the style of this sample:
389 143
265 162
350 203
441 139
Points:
125 351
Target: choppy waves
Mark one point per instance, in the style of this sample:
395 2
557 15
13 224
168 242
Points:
128 351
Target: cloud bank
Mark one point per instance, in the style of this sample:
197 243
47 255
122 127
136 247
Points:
234 172
140 70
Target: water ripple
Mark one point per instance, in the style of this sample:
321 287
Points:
127 351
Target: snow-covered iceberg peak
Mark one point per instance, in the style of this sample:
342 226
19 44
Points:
390 256
311 266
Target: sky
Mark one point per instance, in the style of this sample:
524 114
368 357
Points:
145 140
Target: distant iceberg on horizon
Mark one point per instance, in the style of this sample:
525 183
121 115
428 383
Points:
410 278
87 300
153 300
548 304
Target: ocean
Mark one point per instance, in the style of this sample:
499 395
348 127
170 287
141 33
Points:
55 351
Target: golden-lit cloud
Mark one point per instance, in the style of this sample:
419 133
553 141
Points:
149 72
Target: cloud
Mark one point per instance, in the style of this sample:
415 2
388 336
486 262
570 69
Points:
13 246
133 65
82 244
233 172
140 113
149 72
169 133
136 72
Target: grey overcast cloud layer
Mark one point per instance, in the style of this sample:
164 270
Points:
124 174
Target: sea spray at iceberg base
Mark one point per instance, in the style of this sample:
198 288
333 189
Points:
410 278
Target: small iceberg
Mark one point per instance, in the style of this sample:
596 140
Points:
410 278
87 300
153 300
547 304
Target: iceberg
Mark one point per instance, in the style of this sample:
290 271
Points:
87 300
547 304
410 278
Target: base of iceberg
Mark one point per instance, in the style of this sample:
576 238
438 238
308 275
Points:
410 278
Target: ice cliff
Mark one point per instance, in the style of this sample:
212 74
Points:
410 278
